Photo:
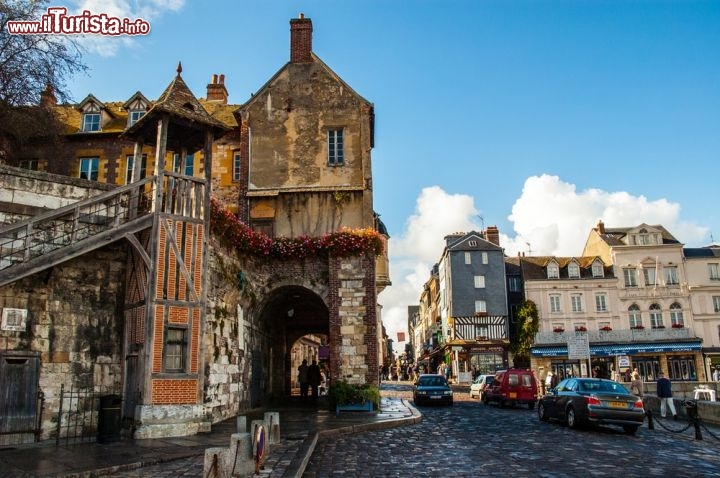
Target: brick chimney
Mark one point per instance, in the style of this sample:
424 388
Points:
601 227
216 90
47 97
300 40
492 234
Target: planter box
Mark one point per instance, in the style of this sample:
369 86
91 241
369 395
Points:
355 407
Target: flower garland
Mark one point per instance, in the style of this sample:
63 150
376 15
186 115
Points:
346 242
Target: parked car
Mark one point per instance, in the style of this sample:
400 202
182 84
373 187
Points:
511 387
596 401
432 388
479 385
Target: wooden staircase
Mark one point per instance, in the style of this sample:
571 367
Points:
53 237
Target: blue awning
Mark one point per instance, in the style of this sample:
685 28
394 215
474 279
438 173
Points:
620 349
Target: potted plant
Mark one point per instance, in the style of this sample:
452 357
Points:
607 328
658 327
558 330
346 396
582 328
637 327
677 326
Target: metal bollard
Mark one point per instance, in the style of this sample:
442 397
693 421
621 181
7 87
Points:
651 425
692 413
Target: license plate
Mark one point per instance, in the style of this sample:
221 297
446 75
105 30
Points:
617 404
512 395
435 397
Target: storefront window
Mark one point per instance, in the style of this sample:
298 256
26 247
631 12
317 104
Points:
648 367
682 368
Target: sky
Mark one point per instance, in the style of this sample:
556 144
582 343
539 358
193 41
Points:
538 117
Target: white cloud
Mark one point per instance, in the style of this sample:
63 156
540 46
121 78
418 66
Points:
147 10
550 215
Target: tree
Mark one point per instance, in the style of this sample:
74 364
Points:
30 64
528 324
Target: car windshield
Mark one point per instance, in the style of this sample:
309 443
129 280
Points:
432 381
601 386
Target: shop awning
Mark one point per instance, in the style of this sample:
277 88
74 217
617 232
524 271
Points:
620 349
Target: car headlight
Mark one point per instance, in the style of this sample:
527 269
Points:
447 392
421 392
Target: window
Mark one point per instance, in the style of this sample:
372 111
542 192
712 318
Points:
514 284
629 275
601 302
713 271
576 301
573 270
649 274
91 122
656 319
676 316
89 168
130 164
479 282
716 303
597 269
554 302
580 326
189 164
31 164
236 167
480 306
336 155
175 346
634 316
468 258
484 257
553 271
604 326
473 243
671 275
134 117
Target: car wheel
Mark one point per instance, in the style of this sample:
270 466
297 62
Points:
630 429
572 421
542 413
531 405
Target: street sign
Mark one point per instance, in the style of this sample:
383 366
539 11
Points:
578 346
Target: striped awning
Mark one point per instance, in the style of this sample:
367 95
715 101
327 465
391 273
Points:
620 349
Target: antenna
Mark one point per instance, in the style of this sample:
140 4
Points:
529 249
482 222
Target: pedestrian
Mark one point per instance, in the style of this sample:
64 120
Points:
303 379
549 380
636 385
716 375
664 393
314 378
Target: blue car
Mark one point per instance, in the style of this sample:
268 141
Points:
431 388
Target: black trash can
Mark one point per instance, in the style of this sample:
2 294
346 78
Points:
109 418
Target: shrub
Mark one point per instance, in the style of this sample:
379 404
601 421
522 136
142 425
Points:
343 393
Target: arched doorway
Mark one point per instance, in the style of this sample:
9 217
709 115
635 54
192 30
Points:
290 313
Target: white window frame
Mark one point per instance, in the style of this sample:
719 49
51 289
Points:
573 270
90 166
468 258
92 122
714 271
650 276
676 315
134 116
671 275
480 306
576 301
484 257
129 164
555 303
630 276
479 282
656 316
634 316
716 303
553 271
597 269
601 302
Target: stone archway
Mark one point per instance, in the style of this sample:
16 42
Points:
291 312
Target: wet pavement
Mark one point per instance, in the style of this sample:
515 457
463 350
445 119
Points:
300 426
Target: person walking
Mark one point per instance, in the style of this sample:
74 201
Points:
636 385
303 379
314 378
664 393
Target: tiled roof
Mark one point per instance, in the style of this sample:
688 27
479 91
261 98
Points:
709 251
535 267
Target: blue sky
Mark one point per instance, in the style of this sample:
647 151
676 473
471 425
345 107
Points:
539 117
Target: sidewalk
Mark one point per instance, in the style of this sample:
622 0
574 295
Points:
300 427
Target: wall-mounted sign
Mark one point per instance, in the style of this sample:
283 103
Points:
14 319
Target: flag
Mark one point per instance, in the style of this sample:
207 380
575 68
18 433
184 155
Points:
401 336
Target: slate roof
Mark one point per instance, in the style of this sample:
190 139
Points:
708 251
535 267
614 236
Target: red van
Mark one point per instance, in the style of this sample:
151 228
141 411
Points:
512 386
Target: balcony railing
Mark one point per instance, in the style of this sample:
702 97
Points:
616 336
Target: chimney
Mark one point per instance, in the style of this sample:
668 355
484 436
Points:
216 90
47 97
300 40
601 227
492 234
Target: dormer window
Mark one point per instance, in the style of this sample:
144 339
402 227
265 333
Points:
573 270
134 116
553 271
597 269
91 122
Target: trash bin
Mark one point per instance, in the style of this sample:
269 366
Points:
109 418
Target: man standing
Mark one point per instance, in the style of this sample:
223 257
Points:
303 379
314 377
664 393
